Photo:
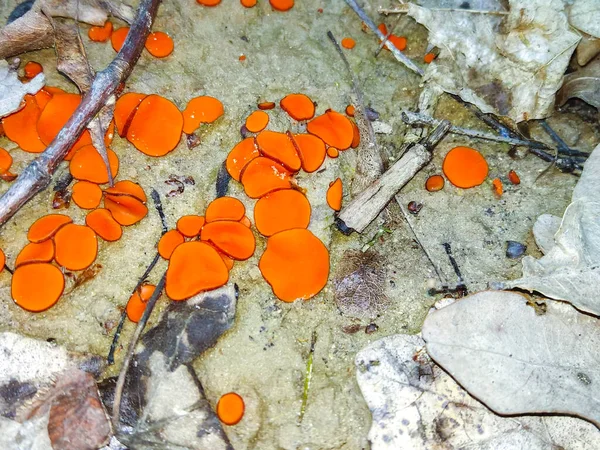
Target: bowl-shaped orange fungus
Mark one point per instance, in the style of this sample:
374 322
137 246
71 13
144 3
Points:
334 195
31 69
76 246
428 58
159 44
514 177
127 187
281 210
169 242
295 264
209 2
104 225
257 121
86 195
117 38
125 108
434 183
334 128
230 408
248 3
265 106
2 260
244 152
263 175
497 187
137 302
225 208
311 150
5 163
55 115
282 5
355 135
279 146
87 164
47 226
350 110
36 252
194 267
125 209
298 106
156 127
348 43
21 126
333 152
232 238
199 110
101 34
465 167
190 226
38 286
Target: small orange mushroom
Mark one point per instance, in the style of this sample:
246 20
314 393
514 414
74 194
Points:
311 150
76 246
46 227
194 267
465 167
21 126
209 2
298 106
248 3
104 225
190 226
348 43
125 209
169 242
137 302
497 187
257 121
428 58
36 253
101 34
127 187
117 38
230 408
266 105
232 238
225 208
282 5
334 128
281 210
86 195
355 135
5 164
87 165
159 44
334 195
398 41
434 183
38 286
350 110
156 127
295 264
125 108
263 175
31 69
2 260
199 110
333 152
42 97
244 152
279 146
514 177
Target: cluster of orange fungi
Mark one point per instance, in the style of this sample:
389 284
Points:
279 5
398 41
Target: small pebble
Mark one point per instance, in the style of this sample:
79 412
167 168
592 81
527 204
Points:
371 114
515 249
414 207
371 328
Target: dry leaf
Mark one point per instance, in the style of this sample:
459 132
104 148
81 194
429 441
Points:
585 16
583 83
12 90
570 270
509 66
416 405
544 229
516 361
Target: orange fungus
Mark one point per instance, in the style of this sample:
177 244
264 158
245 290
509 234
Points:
36 287
137 302
266 105
159 44
224 208
55 115
125 108
514 177
47 226
36 252
244 152
282 5
21 126
465 167
333 152
104 225
88 165
230 408
209 2
279 146
127 187
76 246
117 39
263 175
334 195
169 242
125 209
348 43
434 183
32 68
298 106
311 150
190 226
232 238
334 128
199 110
281 210
428 58
257 121
101 34
295 264
497 187
86 195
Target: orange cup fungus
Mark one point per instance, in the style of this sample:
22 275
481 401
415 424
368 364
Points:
5 164
169 242
248 3
159 44
125 108
282 5
101 34
2 260
209 2
265 106
137 302
514 178
87 164
428 58
281 210
47 226
204 109
225 208
257 121
234 239
190 226
334 128
311 150
497 187
334 195
104 225
230 408
76 246
434 183
350 110
125 209
127 187
295 264
244 152
21 126
39 295
298 106
263 175
31 69
348 43
86 195
398 41
117 38
333 152
465 167
279 147
36 253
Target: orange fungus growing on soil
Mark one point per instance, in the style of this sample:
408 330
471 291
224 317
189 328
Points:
465 167
230 408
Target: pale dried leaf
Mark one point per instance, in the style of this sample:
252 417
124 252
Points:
570 270
30 435
587 49
544 229
516 361
87 11
12 90
583 83
585 16
512 66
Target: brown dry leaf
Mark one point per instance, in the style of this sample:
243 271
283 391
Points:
583 84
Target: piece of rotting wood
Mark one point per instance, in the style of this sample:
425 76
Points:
365 207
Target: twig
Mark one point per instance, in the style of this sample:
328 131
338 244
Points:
561 145
38 174
382 44
116 411
397 53
461 284
307 376
387 11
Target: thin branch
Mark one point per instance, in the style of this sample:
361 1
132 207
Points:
36 177
387 11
